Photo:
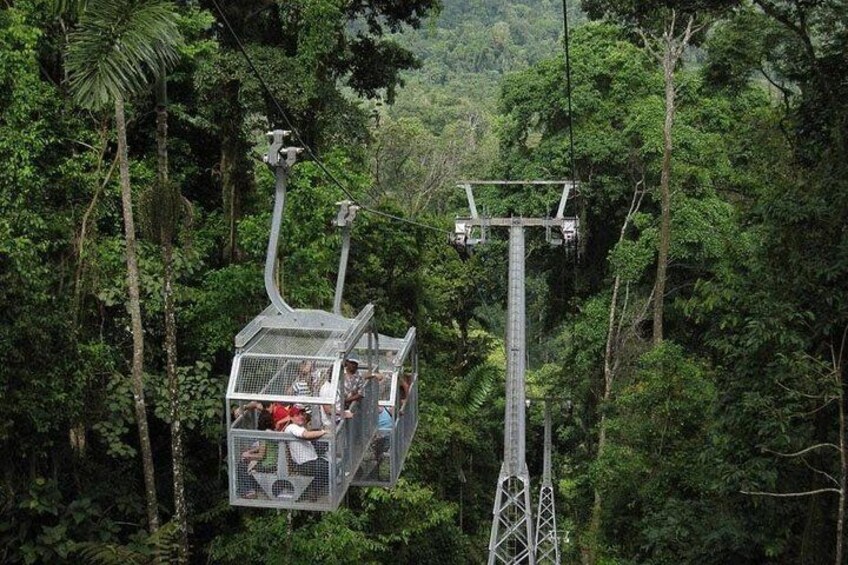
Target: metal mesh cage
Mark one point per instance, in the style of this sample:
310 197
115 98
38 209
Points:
293 441
397 412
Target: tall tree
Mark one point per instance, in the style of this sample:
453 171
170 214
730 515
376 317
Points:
672 45
165 210
111 53
659 26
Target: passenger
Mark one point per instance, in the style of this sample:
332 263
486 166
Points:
384 383
385 423
306 380
304 457
405 387
277 411
259 453
352 381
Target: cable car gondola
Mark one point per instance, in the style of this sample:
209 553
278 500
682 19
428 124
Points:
268 372
288 365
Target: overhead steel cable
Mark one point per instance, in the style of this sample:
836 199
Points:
329 174
568 87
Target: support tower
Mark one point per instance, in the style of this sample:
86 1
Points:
511 540
547 542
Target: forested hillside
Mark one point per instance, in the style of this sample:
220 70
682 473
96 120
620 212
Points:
699 337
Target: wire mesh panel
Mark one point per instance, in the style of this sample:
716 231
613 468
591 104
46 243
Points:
359 430
293 440
279 470
407 424
266 375
397 416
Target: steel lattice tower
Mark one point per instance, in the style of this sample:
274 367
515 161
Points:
511 541
547 542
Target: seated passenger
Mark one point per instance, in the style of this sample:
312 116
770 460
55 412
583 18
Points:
405 387
260 454
277 411
306 380
384 383
304 457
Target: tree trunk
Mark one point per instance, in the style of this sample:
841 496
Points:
597 505
137 377
590 554
669 62
167 230
229 193
177 456
236 171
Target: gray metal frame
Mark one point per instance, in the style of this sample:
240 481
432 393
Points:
351 438
511 539
383 465
344 220
280 159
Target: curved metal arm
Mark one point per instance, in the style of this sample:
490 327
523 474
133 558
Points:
281 167
347 212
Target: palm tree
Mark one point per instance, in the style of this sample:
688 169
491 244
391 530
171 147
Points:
116 47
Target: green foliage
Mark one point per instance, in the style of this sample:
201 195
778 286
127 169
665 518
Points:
630 259
160 547
477 386
336 539
200 399
653 15
413 525
757 280
43 528
658 427
115 47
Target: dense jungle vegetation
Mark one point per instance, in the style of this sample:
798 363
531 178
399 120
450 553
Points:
701 335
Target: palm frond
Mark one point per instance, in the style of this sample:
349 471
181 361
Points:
161 547
475 390
165 543
110 554
118 47
68 8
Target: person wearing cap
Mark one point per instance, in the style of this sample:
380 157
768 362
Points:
304 457
352 381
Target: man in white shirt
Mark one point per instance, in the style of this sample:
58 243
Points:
305 458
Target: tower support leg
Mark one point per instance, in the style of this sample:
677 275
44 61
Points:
511 541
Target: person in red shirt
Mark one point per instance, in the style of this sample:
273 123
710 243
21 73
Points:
279 412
